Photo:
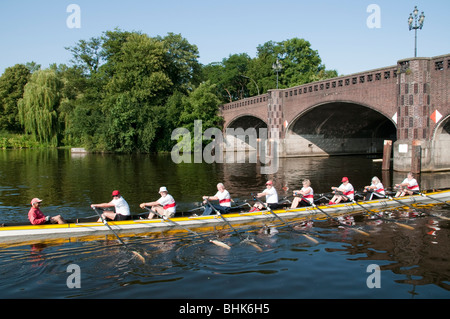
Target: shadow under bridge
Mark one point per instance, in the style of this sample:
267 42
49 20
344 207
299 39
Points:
338 128
244 133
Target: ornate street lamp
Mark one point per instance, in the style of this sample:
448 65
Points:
277 68
413 18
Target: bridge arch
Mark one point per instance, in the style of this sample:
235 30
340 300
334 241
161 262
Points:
245 139
246 121
441 141
337 128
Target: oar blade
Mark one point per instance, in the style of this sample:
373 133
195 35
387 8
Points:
315 241
360 231
252 243
405 226
138 256
220 244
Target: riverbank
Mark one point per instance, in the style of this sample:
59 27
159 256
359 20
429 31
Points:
19 141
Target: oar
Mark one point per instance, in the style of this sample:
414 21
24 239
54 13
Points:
225 220
229 225
120 240
428 196
337 220
378 217
282 220
412 207
381 218
215 242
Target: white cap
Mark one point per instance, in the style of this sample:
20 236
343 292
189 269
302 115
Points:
162 189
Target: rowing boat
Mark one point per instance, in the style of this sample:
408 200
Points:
18 233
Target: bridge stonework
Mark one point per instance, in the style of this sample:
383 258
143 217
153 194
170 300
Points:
355 113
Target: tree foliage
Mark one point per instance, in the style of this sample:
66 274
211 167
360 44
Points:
38 108
239 76
12 84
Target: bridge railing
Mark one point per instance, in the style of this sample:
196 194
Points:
342 82
245 102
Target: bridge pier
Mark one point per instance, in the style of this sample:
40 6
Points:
423 143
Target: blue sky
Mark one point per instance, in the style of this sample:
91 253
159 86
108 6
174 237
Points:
37 30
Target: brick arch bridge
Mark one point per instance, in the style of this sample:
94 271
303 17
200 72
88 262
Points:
408 102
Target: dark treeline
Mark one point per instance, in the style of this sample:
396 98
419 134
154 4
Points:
126 91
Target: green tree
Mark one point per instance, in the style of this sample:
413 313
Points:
202 104
301 64
38 107
12 84
182 58
87 55
239 76
230 77
137 87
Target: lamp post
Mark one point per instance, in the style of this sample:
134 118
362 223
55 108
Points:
413 18
277 68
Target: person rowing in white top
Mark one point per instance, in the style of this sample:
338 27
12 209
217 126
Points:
346 189
119 204
409 186
375 188
304 196
271 197
165 206
224 198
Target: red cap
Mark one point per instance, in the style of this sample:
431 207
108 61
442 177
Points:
115 193
35 200
269 183
344 179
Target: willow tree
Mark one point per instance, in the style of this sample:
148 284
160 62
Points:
38 107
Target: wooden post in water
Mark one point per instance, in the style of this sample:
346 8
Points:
387 150
416 157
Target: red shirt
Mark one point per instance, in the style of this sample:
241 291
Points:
35 216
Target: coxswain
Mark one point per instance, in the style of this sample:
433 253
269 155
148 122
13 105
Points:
36 216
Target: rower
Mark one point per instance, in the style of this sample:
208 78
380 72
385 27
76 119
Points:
409 186
121 210
36 217
375 188
165 206
346 189
303 197
271 197
224 198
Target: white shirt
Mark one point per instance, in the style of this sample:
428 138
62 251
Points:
412 184
168 203
309 194
224 198
271 195
348 190
379 188
121 206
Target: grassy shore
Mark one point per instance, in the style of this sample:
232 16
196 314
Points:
18 141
